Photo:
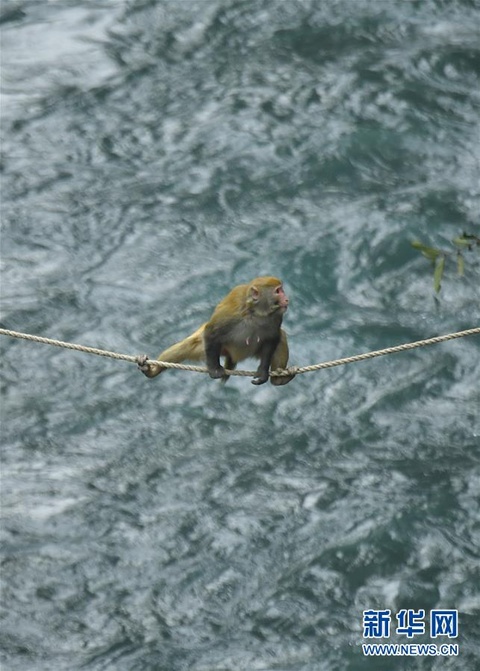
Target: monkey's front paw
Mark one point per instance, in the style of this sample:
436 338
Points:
217 373
260 379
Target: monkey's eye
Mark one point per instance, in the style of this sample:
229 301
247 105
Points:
278 290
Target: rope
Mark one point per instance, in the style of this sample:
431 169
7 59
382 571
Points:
68 345
246 373
390 350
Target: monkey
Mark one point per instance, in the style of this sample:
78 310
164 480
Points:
246 323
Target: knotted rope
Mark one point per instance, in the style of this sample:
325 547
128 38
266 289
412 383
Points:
246 373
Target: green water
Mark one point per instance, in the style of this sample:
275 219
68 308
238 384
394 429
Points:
154 154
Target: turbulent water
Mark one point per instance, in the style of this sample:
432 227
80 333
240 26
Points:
154 154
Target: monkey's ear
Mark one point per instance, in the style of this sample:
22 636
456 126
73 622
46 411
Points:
254 294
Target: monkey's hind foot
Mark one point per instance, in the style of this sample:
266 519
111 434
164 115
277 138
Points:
283 379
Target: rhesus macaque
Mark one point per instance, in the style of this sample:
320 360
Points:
246 323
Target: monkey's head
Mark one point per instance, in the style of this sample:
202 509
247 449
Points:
265 295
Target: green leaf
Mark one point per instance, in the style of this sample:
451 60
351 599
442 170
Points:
462 242
429 252
438 273
460 264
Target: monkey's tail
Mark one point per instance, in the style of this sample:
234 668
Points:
191 349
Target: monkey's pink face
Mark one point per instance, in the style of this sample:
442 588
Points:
281 298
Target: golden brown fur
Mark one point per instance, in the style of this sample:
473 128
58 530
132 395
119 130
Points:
246 323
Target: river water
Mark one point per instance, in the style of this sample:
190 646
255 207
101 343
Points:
155 153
